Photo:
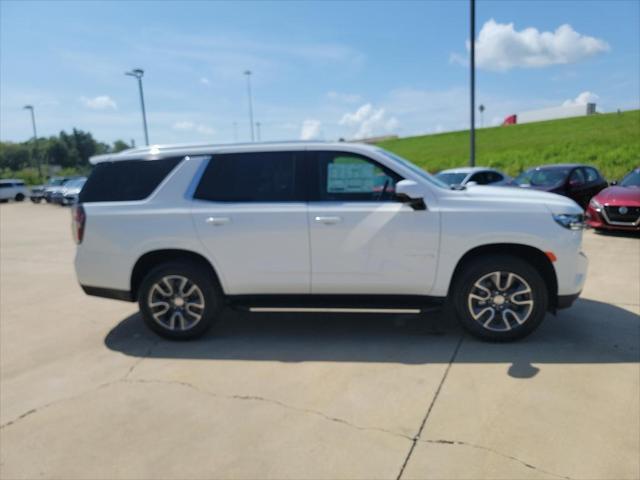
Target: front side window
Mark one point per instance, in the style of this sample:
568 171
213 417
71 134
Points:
350 177
451 178
481 178
251 177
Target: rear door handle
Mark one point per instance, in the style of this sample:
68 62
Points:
217 220
328 220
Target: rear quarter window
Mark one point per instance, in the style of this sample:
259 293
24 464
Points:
126 180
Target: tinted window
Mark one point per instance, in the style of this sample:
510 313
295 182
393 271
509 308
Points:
126 180
577 177
5 185
591 174
481 178
349 177
251 177
493 177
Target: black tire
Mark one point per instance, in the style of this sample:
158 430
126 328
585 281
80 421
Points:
505 325
209 293
19 197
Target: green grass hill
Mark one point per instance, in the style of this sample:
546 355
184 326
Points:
610 142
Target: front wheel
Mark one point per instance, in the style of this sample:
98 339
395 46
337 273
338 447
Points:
19 197
500 298
179 301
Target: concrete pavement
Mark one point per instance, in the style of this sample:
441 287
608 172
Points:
87 392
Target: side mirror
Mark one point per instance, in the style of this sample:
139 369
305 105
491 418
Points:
409 192
574 183
471 184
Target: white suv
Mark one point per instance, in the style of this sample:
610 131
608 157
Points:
296 227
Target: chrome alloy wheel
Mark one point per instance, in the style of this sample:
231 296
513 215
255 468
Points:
500 301
176 303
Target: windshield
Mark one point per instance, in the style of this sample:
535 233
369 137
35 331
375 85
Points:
542 177
414 168
632 179
452 178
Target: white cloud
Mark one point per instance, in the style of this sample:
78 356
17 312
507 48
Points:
369 121
205 81
582 99
101 102
187 126
344 97
501 47
310 129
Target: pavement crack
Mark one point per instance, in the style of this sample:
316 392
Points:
415 439
257 398
55 402
495 452
143 357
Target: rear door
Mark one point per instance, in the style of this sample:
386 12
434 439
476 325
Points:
363 241
251 215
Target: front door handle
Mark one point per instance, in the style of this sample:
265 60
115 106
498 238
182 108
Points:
217 220
328 220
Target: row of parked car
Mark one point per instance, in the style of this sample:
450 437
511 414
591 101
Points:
59 190
614 206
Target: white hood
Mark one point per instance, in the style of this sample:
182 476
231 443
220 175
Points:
556 203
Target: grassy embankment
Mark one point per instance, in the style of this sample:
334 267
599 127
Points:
610 142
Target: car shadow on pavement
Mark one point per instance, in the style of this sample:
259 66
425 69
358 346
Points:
590 332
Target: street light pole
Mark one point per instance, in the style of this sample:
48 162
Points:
138 73
35 138
472 63
248 74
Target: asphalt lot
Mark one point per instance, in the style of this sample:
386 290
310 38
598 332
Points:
87 392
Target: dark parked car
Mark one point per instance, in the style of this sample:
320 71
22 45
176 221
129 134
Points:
578 182
617 207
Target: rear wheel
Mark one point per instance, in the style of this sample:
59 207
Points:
19 197
500 298
179 301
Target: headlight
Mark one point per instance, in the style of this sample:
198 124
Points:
597 206
572 221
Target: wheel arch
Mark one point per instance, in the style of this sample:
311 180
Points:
532 255
151 259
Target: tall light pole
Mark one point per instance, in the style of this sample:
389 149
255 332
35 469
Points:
472 64
258 130
138 73
35 137
248 74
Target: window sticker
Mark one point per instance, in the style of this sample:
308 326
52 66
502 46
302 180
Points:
350 178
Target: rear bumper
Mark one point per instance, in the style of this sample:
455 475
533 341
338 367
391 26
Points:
565 301
112 293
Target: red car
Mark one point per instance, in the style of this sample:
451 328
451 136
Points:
617 207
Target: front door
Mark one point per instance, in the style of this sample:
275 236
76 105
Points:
251 215
363 241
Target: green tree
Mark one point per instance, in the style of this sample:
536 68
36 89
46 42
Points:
119 146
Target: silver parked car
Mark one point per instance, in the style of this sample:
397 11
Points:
473 176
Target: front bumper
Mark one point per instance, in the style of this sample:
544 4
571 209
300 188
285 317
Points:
565 301
595 219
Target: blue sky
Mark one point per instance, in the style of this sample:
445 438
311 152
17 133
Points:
320 69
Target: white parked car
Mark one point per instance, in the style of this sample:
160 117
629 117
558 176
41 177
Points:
12 189
473 176
339 227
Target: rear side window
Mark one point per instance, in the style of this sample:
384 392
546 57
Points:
126 180
251 177
592 175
